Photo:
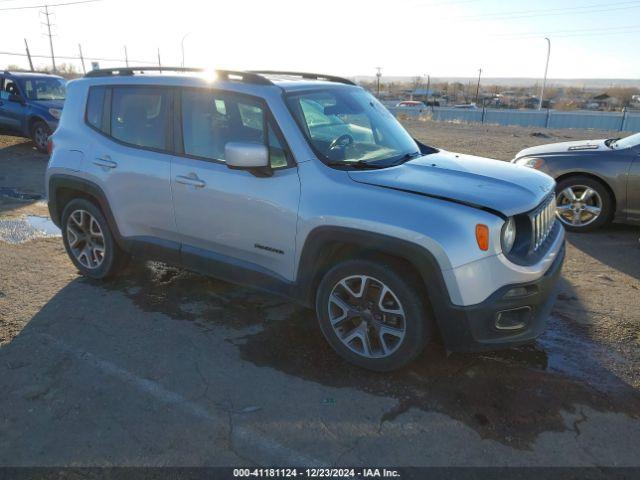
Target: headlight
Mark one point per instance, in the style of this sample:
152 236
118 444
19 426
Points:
55 113
530 162
508 236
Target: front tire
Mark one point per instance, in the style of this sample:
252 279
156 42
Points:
40 132
583 203
372 315
88 240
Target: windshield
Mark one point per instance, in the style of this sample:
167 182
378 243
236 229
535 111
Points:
44 88
347 125
627 142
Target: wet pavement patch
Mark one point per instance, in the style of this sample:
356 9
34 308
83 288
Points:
183 295
510 396
18 195
20 230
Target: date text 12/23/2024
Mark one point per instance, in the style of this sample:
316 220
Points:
315 473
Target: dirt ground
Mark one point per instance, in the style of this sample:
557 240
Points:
164 367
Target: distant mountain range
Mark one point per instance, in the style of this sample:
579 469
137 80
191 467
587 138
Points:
516 82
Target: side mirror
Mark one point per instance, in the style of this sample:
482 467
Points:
17 99
248 156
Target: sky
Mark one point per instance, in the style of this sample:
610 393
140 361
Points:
589 38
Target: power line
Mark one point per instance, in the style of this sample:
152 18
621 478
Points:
575 31
50 5
68 57
593 8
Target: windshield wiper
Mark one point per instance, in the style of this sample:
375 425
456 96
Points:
405 158
359 164
364 164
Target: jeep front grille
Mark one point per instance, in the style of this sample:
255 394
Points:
542 221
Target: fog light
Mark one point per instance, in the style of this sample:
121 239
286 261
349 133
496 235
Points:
513 319
516 292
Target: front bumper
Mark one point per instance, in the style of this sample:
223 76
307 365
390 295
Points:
53 124
474 328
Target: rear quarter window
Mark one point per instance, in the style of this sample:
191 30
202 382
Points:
95 115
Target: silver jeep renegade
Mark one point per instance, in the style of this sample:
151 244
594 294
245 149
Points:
306 186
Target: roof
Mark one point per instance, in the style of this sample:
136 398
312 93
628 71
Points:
21 74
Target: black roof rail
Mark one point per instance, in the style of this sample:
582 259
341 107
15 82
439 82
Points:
249 77
308 76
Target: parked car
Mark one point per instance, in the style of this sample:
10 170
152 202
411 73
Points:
412 104
466 106
394 243
31 104
597 180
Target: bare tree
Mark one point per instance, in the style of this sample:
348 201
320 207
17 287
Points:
623 94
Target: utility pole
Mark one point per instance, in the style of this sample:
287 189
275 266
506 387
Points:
478 86
546 69
126 57
428 86
84 70
159 62
378 75
48 25
26 45
182 46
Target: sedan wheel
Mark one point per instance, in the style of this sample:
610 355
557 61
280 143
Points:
583 203
579 205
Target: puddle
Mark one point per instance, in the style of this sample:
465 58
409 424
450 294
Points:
19 230
18 195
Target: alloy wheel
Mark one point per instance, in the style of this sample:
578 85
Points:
85 239
367 316
579 205
41 137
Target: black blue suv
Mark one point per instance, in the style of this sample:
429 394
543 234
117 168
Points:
31 104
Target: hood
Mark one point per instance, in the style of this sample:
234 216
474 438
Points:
564 147
481 182
47 104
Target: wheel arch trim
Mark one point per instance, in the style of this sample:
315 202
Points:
322 242
61 181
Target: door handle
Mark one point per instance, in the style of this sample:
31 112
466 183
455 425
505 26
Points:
192 181
105 161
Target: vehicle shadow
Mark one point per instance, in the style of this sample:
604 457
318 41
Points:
22 171
615 245
162 319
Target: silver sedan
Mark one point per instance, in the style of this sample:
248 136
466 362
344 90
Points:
598 181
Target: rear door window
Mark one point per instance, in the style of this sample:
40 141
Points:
140 116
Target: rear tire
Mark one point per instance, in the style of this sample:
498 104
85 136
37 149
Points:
89 242
584 204
40 132
372 315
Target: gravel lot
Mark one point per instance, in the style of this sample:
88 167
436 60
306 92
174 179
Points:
164 367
